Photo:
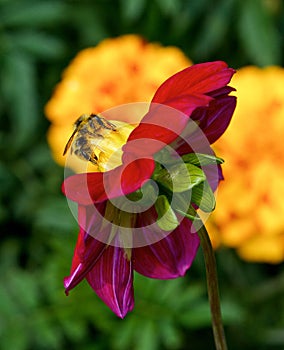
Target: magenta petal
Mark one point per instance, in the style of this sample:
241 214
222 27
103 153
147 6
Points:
222 92
214 120
214 175
112 280
170 257
87 250
80 268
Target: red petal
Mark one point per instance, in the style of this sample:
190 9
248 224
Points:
112 280
174 102
162 124
97 187
170 257
198 79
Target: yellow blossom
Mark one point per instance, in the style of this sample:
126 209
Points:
250 209
117 71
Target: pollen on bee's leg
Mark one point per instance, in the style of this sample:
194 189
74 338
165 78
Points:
93 159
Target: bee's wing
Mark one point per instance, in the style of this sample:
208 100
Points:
68 144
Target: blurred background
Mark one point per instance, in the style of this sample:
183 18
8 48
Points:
38 39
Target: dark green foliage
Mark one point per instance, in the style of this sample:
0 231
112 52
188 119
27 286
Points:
38 232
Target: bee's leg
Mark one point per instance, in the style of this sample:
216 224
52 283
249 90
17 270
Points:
93 158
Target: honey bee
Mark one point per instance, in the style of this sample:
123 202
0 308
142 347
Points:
89 129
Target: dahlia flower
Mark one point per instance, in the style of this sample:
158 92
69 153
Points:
139 212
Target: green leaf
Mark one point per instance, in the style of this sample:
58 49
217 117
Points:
180 177
23 283
6 180
259 34
200 159
15 336
171 335
169 7
199 315
89 25
32 14
132 9
54 214
123 338
38 44
215 26
167 219
47 332
149 340
203 197
19 80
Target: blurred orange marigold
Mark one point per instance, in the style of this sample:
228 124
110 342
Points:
250 209
117 71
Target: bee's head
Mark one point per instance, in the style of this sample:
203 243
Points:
81 119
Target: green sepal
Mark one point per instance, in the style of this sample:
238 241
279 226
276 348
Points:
144 197
180 177
146 193
191 214
167 219
165 156
200 159
203 196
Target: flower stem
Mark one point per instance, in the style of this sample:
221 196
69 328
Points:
213 289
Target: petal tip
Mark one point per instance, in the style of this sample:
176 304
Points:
121 313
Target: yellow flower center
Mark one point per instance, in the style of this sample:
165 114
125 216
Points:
96 144
109 149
